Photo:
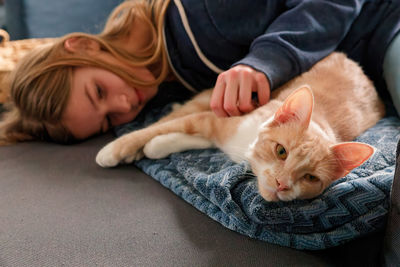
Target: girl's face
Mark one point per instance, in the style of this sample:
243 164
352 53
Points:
99 100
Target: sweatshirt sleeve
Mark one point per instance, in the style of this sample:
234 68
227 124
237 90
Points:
307 32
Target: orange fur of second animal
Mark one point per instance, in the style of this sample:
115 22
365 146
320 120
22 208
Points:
297 144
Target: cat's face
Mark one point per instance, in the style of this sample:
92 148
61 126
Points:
294 159
291 163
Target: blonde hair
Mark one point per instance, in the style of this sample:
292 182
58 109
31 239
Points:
39 86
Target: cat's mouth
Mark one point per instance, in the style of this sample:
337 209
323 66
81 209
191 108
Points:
284 196
269 193
274 196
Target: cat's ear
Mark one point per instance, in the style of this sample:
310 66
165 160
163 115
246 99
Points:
350 155
297 107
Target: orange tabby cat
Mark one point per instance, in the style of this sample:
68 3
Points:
296 145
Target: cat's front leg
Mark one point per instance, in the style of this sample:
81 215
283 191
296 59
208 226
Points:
124 149
163 145
130 146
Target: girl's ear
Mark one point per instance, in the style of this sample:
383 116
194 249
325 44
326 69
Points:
81 44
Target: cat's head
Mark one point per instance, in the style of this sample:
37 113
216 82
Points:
292 158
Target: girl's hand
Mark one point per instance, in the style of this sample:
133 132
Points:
232 94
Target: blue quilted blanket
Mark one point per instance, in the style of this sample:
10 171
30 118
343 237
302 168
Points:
351 207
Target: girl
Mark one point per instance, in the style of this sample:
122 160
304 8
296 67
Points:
85 84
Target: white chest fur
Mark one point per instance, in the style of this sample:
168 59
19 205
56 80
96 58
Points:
239 142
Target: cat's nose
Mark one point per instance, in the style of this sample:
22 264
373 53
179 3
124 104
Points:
281 186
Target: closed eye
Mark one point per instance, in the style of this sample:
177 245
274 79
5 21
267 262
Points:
100 94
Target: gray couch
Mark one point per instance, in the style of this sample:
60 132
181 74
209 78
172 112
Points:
58 208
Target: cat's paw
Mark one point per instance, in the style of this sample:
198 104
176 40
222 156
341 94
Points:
105 157
115 152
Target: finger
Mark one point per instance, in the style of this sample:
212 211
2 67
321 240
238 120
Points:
263 88
231 96
245 91
217 98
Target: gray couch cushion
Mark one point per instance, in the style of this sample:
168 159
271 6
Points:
58 207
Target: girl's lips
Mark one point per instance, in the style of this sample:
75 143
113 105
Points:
140 96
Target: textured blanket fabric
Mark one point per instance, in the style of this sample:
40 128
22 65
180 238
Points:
351 207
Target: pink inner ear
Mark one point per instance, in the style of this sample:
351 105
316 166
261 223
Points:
283 117
297 107
351 155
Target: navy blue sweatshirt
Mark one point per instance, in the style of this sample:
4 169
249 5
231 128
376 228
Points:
281 38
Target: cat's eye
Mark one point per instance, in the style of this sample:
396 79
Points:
281 152
311 178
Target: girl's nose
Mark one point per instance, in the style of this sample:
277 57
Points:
120 104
